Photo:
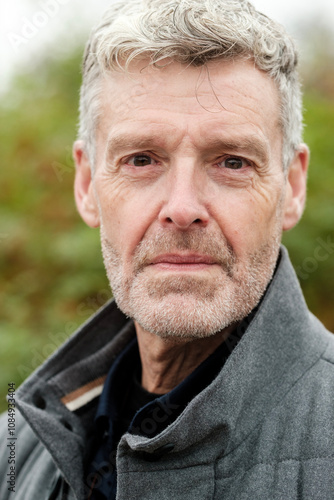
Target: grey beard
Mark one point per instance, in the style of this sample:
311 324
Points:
190 306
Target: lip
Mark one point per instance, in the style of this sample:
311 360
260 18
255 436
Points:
174 258
179 262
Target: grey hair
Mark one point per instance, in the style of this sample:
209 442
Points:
192 32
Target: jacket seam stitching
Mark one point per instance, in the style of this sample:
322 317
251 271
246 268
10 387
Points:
323 358
176 467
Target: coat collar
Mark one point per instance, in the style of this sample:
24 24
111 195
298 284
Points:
280 344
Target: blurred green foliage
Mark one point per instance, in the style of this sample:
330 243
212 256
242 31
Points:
51 265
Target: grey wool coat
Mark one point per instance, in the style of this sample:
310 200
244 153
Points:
262 430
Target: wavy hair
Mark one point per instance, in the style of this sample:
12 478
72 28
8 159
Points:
192 32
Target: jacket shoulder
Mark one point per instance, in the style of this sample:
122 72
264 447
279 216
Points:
328 355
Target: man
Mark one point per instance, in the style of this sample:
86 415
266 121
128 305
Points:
209 378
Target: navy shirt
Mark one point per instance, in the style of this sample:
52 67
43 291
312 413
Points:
124 406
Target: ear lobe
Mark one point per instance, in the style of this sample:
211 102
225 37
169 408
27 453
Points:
83 187
296 188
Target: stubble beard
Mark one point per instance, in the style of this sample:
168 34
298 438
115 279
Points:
188 306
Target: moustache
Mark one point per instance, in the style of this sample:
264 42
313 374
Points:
200 241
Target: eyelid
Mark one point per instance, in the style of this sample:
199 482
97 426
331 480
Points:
221 159
127 159
236 157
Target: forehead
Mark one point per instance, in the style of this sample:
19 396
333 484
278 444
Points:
219 98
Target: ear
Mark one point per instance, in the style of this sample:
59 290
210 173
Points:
296 188
84 194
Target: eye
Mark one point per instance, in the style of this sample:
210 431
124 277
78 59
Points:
233 163
140 160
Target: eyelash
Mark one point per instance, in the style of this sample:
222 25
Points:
139 155
246 162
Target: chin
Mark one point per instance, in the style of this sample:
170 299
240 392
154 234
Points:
186 315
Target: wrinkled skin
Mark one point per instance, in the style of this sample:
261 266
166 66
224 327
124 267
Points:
191 197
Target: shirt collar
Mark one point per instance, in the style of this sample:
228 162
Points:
118 379
164 409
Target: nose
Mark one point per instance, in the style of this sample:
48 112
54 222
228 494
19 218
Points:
185 204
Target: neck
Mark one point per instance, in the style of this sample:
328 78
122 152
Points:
167 362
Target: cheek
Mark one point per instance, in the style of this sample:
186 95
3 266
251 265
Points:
125 216
248 218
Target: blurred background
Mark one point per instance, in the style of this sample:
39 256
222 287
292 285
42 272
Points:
52 275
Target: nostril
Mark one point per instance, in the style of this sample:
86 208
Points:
170 220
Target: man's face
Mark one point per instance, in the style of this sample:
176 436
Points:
190 193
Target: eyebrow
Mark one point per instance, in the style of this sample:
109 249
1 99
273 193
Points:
241 145
127 142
